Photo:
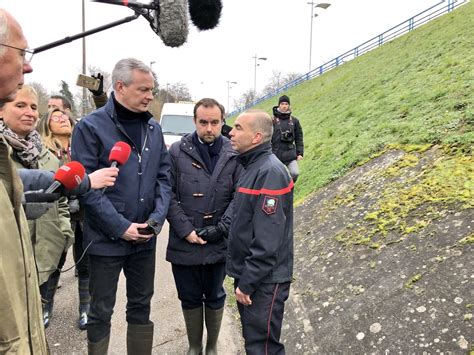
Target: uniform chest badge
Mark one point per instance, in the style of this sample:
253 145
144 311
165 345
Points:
270 204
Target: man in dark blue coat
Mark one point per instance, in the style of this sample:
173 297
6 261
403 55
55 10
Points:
204 174
260 251
121 223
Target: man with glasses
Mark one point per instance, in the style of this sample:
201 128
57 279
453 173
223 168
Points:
14 57
21 329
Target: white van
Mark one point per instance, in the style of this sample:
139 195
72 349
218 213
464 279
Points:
176 121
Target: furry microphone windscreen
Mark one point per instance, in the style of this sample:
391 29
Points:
171 22
205 14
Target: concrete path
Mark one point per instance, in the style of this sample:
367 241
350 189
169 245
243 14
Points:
170 335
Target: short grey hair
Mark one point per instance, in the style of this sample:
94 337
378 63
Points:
4 31
124 68
261 122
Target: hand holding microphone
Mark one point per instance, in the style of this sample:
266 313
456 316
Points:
68 176
37 203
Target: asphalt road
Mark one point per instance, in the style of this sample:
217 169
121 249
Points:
64 337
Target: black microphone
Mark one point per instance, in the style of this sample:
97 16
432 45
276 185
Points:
205 14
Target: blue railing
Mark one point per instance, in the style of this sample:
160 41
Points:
423 17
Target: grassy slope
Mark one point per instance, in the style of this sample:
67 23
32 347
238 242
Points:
416 89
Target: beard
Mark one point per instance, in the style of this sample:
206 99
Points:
208 139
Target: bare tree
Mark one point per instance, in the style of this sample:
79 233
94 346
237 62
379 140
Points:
43 97
278 80
179 92
245 99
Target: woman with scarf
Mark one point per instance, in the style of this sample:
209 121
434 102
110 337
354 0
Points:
56 129
51 234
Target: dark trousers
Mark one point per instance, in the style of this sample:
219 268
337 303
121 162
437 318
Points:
82 266
198 284
139 270
261 322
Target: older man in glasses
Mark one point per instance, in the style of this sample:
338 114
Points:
21 329
15 57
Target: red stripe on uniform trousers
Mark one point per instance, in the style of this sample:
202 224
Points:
270 318
283 191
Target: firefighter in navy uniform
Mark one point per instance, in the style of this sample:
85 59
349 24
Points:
260 249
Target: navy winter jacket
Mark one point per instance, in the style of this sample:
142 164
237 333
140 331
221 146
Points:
141 192
199 199
260 246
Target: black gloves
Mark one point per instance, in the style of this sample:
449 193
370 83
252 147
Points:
100 90
152 228
212 234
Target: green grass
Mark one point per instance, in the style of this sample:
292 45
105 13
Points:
417 89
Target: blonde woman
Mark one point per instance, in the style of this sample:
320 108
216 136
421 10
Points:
51 234
56 129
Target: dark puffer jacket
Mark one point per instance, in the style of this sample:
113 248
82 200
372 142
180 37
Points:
199 199
286 146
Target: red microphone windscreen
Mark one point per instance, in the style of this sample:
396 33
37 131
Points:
70 175
120 153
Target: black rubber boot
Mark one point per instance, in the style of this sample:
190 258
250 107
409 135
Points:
194 328
84 300
139 339
99 348
213 326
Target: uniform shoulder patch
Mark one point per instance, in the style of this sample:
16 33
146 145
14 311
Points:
270 204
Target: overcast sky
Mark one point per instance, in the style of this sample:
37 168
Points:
276 29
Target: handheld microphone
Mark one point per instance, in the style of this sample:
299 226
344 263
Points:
69 175
119 154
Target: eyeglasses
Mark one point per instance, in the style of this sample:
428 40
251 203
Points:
26 53
58 118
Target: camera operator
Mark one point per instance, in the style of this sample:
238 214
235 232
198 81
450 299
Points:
287 139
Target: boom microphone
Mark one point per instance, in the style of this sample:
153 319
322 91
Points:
133 4
205 14
119 154
69 175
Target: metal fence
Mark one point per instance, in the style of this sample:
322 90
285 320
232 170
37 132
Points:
423 17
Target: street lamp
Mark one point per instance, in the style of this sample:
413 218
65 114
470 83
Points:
229 83
151 65
255 57
167 92
313 4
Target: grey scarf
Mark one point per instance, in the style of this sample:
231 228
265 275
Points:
26 150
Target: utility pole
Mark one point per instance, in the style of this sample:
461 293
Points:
84 90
